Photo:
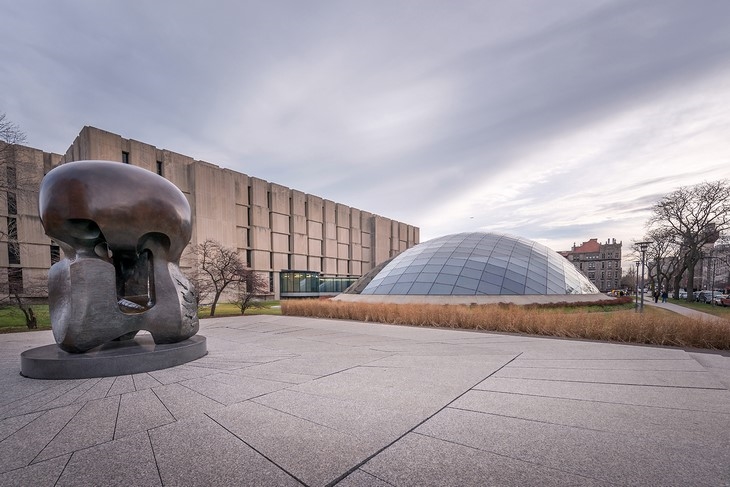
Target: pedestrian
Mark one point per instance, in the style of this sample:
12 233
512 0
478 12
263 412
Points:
656 295
665 295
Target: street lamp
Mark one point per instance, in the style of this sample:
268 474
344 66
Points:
636 288
643 246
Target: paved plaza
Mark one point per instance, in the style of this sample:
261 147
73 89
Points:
298 401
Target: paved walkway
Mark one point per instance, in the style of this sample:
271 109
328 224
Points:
683 310
296 401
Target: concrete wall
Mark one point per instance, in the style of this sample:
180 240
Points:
273 227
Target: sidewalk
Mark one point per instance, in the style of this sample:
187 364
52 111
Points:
299 401
683 311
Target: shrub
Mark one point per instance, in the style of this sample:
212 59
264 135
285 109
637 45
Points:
621 325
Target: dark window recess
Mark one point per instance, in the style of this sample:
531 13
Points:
13 253
160 168
12 228
12 204
55 254
248 258
125 157
15 280
11 176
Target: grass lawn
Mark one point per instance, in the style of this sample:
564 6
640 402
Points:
722 312
12 319
230 309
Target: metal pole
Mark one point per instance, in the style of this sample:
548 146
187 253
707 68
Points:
636 287
643 246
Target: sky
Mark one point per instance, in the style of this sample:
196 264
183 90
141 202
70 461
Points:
555 120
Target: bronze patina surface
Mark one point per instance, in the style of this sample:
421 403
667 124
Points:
122 230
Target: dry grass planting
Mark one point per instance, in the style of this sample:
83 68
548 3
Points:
609 323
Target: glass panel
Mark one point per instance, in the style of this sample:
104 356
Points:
441 289
473 273
401 288
462 291
450 269
488 288
420 288
467 282
428 277
446 279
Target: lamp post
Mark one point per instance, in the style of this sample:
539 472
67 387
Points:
636 288
643 246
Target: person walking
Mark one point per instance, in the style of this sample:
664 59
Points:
656 295
665 295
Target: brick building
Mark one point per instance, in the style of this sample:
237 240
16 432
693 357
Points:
601 263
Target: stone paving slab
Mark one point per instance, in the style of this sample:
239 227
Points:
298 401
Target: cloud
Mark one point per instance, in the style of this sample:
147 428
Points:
559 122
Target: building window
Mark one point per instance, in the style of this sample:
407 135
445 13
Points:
12 176
15 280
609 264
160 168
12 228
13 253
12 204
125 157
13 247
55 254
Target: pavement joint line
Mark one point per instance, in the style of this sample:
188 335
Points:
154 457
116 418
257 451
57 432
68 460
336 372
518 459
618 383
600 402
164 405
300 417
375 476
196 392
583 428
363 462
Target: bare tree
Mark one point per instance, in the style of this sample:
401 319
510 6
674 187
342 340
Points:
694 216
10 136
251 286
217 268
663 258
16 297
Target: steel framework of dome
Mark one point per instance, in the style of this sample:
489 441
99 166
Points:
479 264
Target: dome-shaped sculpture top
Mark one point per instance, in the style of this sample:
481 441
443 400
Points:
479 264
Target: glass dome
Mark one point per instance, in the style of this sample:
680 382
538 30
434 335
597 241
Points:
479 263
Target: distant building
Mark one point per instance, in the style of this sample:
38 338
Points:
600 263
290 236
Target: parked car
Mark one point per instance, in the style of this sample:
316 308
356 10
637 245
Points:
721 300
682 294
703 296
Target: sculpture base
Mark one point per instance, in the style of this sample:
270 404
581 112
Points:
135 356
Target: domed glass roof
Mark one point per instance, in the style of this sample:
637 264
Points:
479 263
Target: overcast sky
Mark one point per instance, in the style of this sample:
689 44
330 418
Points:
555 120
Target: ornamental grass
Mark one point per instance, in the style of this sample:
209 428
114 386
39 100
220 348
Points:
590 321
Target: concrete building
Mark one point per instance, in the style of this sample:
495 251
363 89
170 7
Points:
276 230
601 263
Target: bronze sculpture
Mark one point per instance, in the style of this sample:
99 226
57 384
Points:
122 230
